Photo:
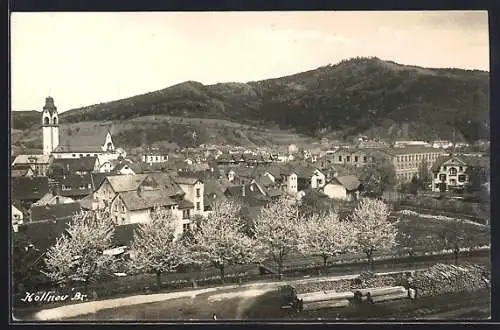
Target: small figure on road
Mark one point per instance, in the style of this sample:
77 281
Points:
301 305
369 298
214 316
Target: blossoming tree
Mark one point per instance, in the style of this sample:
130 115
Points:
156 248
372 227
220 239
78 254
326 236
277 230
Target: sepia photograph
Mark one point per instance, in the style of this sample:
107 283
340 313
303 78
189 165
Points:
260 166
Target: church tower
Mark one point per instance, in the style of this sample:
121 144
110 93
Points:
50 126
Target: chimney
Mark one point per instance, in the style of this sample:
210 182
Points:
57 200
243 193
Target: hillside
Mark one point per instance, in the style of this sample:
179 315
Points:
358 96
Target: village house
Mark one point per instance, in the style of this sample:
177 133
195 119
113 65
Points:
123 168
155 155
342 188
38 164
16 218
194 192
131 198
247 194
28 190
213 193
453 172
21 170
53 212
61 167
53 199
308 176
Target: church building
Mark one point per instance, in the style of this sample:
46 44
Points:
84 142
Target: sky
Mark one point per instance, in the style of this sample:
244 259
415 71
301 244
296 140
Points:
82 59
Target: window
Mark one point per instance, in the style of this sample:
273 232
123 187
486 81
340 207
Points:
461 169
319 182
435 176
452 171
81 155
442 177
436 186
186 227
340 158
73 155
348 158
82 187
35 189
355 159
185 214
198 193
198 207
156 158
444 168
364 159
123 221
88 155
462 178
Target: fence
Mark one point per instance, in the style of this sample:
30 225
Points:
244 274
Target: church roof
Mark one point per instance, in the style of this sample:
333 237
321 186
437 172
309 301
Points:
84 140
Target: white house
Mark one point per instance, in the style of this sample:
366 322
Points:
290 184
17 218
342 188
452 171
194 192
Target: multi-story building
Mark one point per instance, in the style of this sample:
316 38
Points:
155 155
453 172
407 161
355 157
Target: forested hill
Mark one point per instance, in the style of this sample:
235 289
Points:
362 95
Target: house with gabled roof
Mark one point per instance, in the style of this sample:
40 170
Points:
28 190
453 172
60 167
247 194
39 164
194 192
53 212
21 170
342 188
52 199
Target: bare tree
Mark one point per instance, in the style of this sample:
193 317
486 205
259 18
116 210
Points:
277 229
220 240
373 228
326 236
155 248
78 255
